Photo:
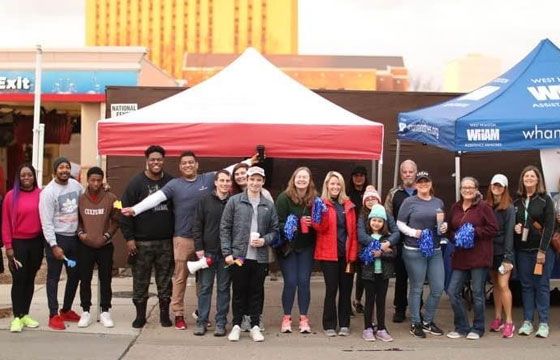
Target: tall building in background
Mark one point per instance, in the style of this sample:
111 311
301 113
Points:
170 29
470 72
194 39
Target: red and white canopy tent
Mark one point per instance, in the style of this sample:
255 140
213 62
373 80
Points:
249 102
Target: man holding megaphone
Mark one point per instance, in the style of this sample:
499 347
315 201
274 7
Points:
206 235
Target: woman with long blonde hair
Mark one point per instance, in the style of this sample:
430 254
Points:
336 250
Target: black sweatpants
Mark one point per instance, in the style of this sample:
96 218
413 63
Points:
376 293
29 252
336 281
248 290
88 257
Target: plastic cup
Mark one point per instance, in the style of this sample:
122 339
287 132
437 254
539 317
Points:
303 225
254 236
440 217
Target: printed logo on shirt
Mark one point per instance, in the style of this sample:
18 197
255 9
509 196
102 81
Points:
152 188
94 211
68 207
202 188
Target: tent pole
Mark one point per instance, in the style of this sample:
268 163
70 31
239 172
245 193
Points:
380 176
36 161
457 174
373 172
397 159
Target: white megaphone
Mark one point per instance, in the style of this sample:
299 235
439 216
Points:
202 263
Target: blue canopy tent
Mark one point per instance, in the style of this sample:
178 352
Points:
519 110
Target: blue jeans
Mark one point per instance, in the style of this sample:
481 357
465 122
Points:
535 289
296 270
455 292
206 283
420 268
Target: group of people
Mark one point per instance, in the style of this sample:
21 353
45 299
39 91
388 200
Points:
228 221
72 227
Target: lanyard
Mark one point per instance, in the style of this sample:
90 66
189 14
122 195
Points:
526 205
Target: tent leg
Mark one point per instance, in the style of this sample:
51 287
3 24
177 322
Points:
397 159
457 175
380 176
373 172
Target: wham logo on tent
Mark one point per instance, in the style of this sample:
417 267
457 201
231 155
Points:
483 134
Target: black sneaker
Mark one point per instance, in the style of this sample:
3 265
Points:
399 316
432 328
416 331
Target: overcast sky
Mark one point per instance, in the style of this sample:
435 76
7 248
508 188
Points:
427 33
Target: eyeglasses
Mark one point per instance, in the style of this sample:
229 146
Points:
468 188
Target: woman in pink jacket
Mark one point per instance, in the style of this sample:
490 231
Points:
23 238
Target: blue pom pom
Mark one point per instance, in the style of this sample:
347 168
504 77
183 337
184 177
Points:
366 255
464 237
426 243
290 228
277 242
319 208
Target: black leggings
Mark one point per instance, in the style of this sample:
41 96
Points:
29 253
376 292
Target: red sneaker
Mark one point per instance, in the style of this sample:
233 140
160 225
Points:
69 315
180 323
56 323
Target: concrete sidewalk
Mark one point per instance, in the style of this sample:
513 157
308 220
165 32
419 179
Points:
155 342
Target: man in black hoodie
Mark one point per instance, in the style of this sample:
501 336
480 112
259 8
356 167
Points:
149 238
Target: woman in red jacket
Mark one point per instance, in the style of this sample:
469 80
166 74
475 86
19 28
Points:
473 256
336 250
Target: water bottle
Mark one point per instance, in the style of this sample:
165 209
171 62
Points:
439 220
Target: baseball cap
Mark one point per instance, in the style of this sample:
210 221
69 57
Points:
499 179
423 175
255 170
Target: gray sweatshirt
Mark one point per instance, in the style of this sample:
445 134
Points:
58 209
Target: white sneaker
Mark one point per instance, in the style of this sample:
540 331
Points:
454 335
256 334
85 319
473 336
105 319
234 333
